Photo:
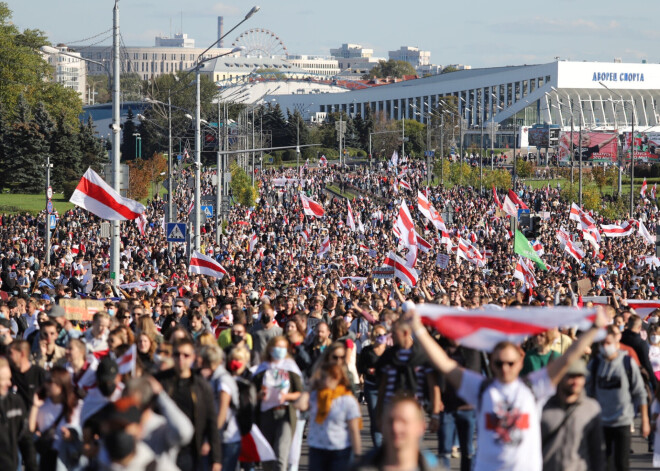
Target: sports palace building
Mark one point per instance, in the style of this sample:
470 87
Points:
598 95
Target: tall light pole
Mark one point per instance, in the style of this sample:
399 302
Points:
198 137
115 240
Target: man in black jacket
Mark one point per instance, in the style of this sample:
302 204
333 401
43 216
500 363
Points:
193 395
14 431
631 337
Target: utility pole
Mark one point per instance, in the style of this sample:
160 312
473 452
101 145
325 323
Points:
49 203
515 144
116 129
442 148
632 157
428 152
580 162
169 163
403 138
198 162
481 159
219 187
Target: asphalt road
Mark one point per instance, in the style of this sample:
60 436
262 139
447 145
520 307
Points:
639 460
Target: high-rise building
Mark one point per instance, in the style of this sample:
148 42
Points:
70 71
412 55
179 40
351 51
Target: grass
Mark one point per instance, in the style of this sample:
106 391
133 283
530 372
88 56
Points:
346 194
13 203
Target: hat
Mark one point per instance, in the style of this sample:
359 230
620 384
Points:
194 304
122 412
107 370
45 297
56 311
577 368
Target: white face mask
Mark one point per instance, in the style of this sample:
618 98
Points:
176 309
608 350
653 320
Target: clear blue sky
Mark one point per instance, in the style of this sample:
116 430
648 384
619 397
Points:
479 32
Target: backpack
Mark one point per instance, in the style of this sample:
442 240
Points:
246 409
593 371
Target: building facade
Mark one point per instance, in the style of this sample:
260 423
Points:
411 55
320 67
70 71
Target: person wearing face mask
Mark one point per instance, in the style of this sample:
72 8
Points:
366 367
654 349
266 330
278 381
616 383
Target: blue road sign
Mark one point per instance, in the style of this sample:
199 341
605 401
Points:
49 207
522 211
176 231
179 157
208 210
52 221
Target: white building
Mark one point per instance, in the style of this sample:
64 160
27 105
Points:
69 71
321 67
147 62
412 55
179 40
520 96
232 69
351 51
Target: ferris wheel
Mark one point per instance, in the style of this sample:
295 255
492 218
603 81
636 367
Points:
260 42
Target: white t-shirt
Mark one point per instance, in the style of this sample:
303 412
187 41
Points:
231 433
332 434
654 357
508 422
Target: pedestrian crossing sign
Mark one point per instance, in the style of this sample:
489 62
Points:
208 211
176 232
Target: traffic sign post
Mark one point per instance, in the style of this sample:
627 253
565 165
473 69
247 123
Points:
49 207
52 221
208 210
176 231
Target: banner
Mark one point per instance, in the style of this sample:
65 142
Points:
647 146
596 146
81 309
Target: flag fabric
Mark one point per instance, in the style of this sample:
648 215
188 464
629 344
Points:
323 162
642 192
600 283
516 200
613 230
573 251
255 448
394 161
538 248
524 274
427 209
253 241
405 184
126 363
350 220
642 307
521 246
406 226
470 253
589 236
496 198
484 328
644 232
578 215
311 207
562 236
325 247
423 245
445 239
141 222
305 236
406 274
192 205
99 198
654 190
509 207
201 264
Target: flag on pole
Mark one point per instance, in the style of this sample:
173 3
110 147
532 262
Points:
427 209
496 198
323 162
470 253
99 198
644 232
654 190
311 207
578 215
521 246
126 363
509 207
406 226
484 328
614 230
325 247
524 274
514 197
253 241
406 274
350 220
201 264
573 251
643 190
255 448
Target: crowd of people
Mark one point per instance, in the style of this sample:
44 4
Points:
306 339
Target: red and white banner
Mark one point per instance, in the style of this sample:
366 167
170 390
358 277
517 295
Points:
255 448
484 328
524 273
350 220
325 247
408 275
404 184
577 214
470 253
613 230
200 264
573 251
427 209
97 197
642 307
126 363
538 248
140 286
514 197
311 207
423 245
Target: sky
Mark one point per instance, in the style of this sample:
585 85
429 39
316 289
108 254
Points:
479 33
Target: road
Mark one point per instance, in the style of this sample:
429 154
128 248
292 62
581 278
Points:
639 460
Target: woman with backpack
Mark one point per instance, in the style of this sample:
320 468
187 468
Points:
335 421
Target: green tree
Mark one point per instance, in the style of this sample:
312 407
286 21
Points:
128 140
391 68
94 151
600 177
241 186
296 125
66 154
275 122
449 69
132 87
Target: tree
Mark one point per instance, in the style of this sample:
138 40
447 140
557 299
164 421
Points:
66 155
275 122
131 87
94 151
128 139
449 69
295 128
241 186
391 68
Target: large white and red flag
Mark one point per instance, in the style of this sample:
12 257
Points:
514 197
201 264
524 273
470 253
255 448
644 232
253 241
573 251
581 216
404 184
510 207
496 198
406 274
446 239
423 245
642 192
99 198
614 230
427 209
311 207
654 190
484 328
325 247
350 220
642 307
127 362
406 226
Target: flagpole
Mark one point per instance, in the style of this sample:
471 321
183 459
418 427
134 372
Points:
115 240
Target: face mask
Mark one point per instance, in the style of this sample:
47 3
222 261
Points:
278 353
381 339
119 444
255 317
157 359
348 319
236 339
227 312
621 327
176 309
655 339
235 365
653 320
608 350
111 311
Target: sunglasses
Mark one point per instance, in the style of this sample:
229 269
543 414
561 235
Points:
499 363
123 318
337 357
182 354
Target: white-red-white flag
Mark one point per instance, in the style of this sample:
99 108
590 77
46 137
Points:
496 198
646 235
427 209
201 264
484 328
642 192
405 184
141 222
509 207
350 220
470 253
581 216
654 190
406 226
99 198
406 274
253 241
255 448
516 200
573 251
325 247
311 207
525 274
614 230
126 363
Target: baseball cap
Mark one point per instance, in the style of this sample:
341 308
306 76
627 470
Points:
107 370
56 311
577 368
